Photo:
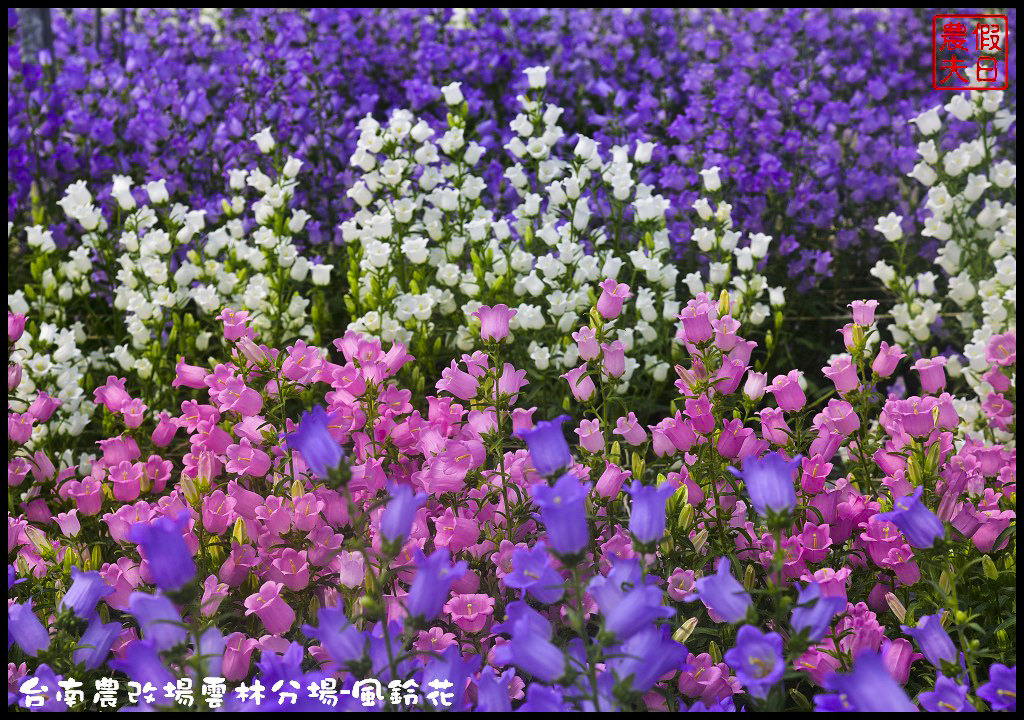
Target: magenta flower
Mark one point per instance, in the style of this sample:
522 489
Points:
630 430
586 341
494 321
843 373
787 391
591 436
291 568
191 376
302 364
126 479
1002 350
19 427
863 311
773 426
43 407
458 382
701 414
580 383
237 656
267 604
244 459
235 324
610 482
614 357
841 416
15 326
755 385
613 293
933 374
887 359
697 327
112 394
218 512
240 398
471 611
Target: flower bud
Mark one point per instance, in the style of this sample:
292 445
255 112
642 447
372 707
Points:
723 304
683 633
238 532
989 567
686 517
896 606
700 540
749 577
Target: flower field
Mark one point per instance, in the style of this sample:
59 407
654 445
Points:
535 360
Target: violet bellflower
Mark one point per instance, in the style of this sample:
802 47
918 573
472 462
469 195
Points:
49 699
140 661
342 640
564 514
627 612
451 667
319 449
757 660
646 656
647 514
814 612
870 687
541 698
769 482
532 571
933 641
919 525
530 649
96 642
723 594
947 696
434 579
25 629
158 619
1000 692
492 690
87 589
397 518
548 449
163 543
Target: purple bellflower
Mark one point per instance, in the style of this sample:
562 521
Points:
757 660
548 449
769 482
918 524
564 514
723 594
434 579
163 542
319 449
870 687
647 514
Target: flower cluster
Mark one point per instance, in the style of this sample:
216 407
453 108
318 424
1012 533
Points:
509 416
